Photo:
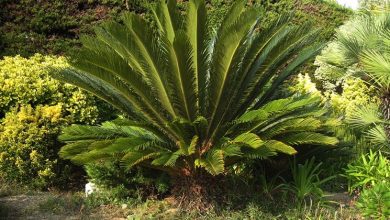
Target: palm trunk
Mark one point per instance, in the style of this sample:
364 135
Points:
198 191
385 108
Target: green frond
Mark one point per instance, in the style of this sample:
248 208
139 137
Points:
254 115
228 52
364 116
302 57
291 125
70 150
258 153
166 17
89 157
196 29
310 138
378 67
232 150
213 162
183 76
147 47
83 132
249 139
167 159
279 52
377 135
102 90
135 157
280 147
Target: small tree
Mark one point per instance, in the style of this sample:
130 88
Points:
196 102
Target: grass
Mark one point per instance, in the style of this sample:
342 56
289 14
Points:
7 189
63 203
103 205
4 210
95 206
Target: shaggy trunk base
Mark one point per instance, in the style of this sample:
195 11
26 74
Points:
385 107
200 192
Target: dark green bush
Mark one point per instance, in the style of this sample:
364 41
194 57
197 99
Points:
137 182
50 26
53 26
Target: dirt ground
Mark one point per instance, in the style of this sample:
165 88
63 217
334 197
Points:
20 207
27 207
35 206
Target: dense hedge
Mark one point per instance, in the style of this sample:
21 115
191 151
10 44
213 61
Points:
53 26
33 108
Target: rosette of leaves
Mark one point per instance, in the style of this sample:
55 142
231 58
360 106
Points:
196 101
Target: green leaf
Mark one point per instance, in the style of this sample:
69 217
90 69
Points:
213 162
167 159
309 138
280 147
249 139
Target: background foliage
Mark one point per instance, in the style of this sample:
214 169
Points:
53 26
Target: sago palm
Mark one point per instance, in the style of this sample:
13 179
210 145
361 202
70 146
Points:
195 102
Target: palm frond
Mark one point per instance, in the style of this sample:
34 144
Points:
311 138
378 67
213 162
364 116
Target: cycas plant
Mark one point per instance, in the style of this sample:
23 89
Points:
195 102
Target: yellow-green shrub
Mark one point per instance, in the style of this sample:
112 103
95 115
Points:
28 151
27 81
33 109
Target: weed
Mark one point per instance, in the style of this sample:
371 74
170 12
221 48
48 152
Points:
306 183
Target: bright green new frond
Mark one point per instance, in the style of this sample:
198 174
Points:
192 147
